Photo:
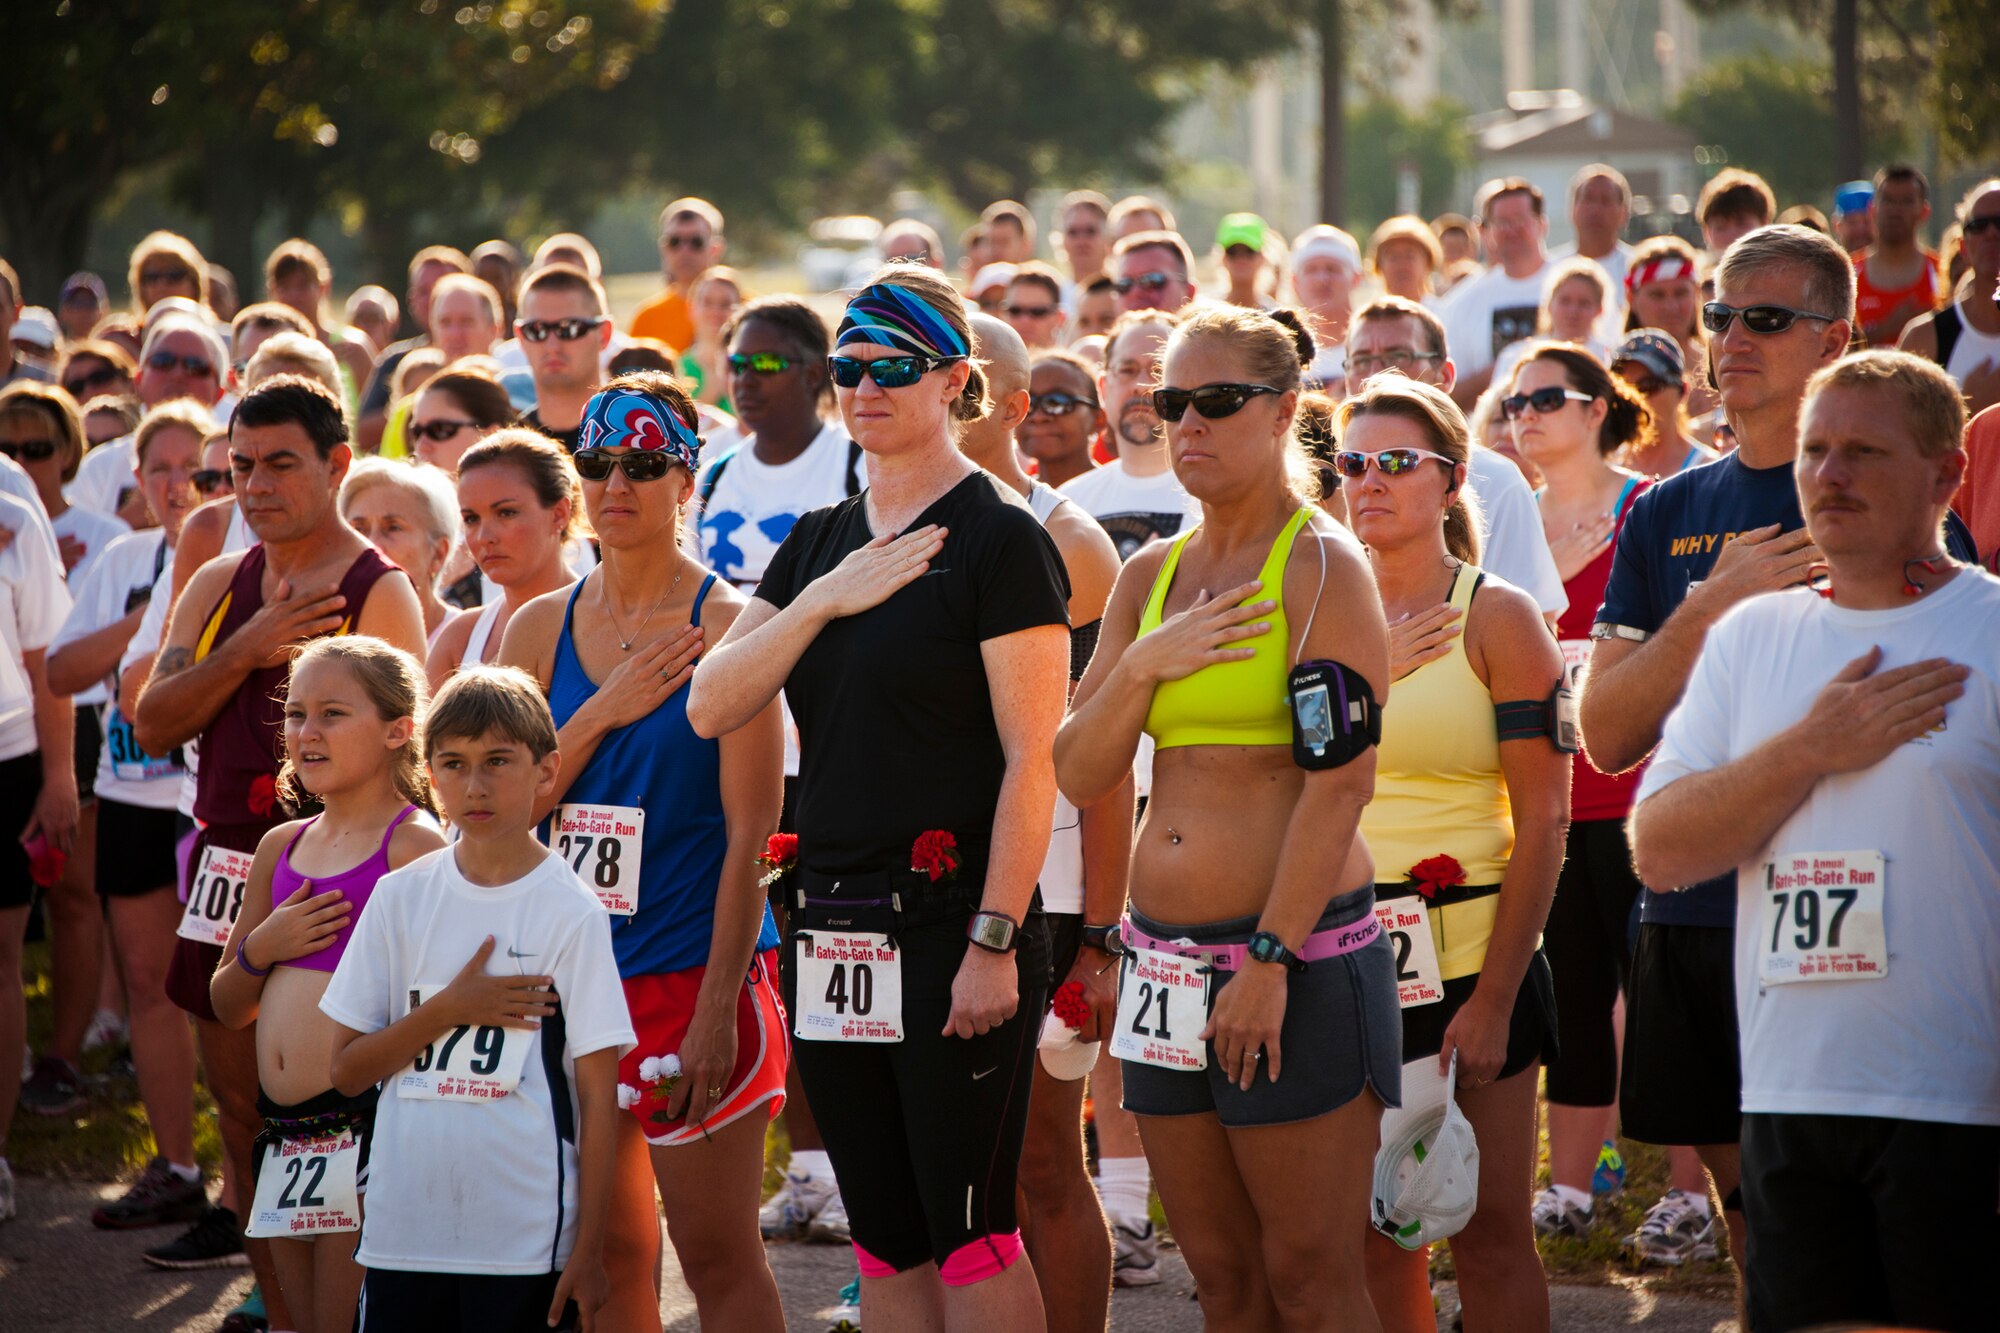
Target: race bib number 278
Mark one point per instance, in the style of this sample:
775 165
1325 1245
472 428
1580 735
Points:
602 845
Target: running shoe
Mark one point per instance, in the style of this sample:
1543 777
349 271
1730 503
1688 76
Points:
829 1224
1609 1175
214 1241
1557 1216
248 1317
1675 1231
6 1190
1136 1258
106 1029
846 1316
54 1089
791 1210
156 1198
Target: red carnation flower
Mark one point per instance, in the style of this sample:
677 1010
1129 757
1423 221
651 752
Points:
1069 1004
935 854
1437 872
781 854
263 796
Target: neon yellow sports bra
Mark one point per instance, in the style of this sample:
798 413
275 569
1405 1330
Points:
1228 703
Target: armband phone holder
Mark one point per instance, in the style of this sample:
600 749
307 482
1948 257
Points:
1334 714
1554 717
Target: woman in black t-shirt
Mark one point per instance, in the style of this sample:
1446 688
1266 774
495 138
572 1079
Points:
927 668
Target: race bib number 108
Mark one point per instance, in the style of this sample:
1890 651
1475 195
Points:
216 895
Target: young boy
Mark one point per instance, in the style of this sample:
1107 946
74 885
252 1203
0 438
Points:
493 1150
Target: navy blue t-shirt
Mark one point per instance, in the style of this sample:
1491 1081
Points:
1668 544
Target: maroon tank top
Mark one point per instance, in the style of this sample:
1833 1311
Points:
243 748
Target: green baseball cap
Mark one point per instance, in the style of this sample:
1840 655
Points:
1242 229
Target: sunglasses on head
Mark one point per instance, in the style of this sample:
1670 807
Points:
1151 282
440 430
569 330
81 385
759 363
1057 404
209 480
888 372
1716 317
164 361
1981 225
1389 462
32 451
1213 401
1030 311
639 465
1544 401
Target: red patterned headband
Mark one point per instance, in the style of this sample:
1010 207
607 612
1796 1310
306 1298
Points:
1661 268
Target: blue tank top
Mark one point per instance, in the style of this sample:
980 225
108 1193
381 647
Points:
659 765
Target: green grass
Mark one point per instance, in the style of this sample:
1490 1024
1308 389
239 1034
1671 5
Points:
109 1138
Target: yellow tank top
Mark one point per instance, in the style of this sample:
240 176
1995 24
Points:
1228 703
1438 790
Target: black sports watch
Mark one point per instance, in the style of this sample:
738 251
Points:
1106 939
992 931
1268 948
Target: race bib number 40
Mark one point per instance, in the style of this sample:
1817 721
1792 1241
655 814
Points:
602 844
1823 919
850 988
466 1064
216 895
308 1187
1408 924
1162 1008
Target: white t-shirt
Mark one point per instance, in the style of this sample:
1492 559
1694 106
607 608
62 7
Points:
1921 1042
136 563
91 530
1484 313
755 504
1512 545
33 602
479 1187
1134 510
104 472
15 481
145 642
1329 365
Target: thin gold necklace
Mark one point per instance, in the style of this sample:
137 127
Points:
626 643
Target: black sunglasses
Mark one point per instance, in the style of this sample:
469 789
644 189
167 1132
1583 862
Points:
1716 317
1979 226
164 361
759 363
1057 404
1213 401
569 330
686 242
1152 282
440 430
888 372
1544 401
639 465
209 480
1030 311
83 384
149 277
34 451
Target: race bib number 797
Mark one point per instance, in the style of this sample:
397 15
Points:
1822 919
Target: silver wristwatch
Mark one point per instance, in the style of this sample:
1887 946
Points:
992 931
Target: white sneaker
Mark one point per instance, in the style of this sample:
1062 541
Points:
1557 1216
106 1029
829 1224
791 1210
1675 1231
1135 1261
6 1190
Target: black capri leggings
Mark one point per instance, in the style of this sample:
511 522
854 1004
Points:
925 1134
1588 943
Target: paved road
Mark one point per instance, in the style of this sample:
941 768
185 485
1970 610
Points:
58 1275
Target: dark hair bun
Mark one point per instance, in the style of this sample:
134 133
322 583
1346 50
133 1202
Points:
1302 338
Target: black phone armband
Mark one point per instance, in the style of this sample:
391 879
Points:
1554 717
1334 714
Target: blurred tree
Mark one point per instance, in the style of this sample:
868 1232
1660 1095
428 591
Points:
1967 88
1383 138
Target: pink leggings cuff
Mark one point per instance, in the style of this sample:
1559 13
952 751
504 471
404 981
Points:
987 1257
870 1265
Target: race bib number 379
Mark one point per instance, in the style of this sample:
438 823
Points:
1822 919
466 1064
215 896
602 844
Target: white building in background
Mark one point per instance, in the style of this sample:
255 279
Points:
1544 137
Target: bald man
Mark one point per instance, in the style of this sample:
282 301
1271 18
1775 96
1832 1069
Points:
1082 883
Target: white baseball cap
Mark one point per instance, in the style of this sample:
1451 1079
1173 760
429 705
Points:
1329 241
1066 1056
1427 1171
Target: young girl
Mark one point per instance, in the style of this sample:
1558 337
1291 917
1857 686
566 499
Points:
350 722
704 365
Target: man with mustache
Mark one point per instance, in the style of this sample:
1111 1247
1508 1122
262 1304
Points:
1136 497
1696 545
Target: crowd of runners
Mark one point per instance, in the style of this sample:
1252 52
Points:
1247 737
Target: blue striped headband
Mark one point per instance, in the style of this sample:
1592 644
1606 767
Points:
615 417
896 317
